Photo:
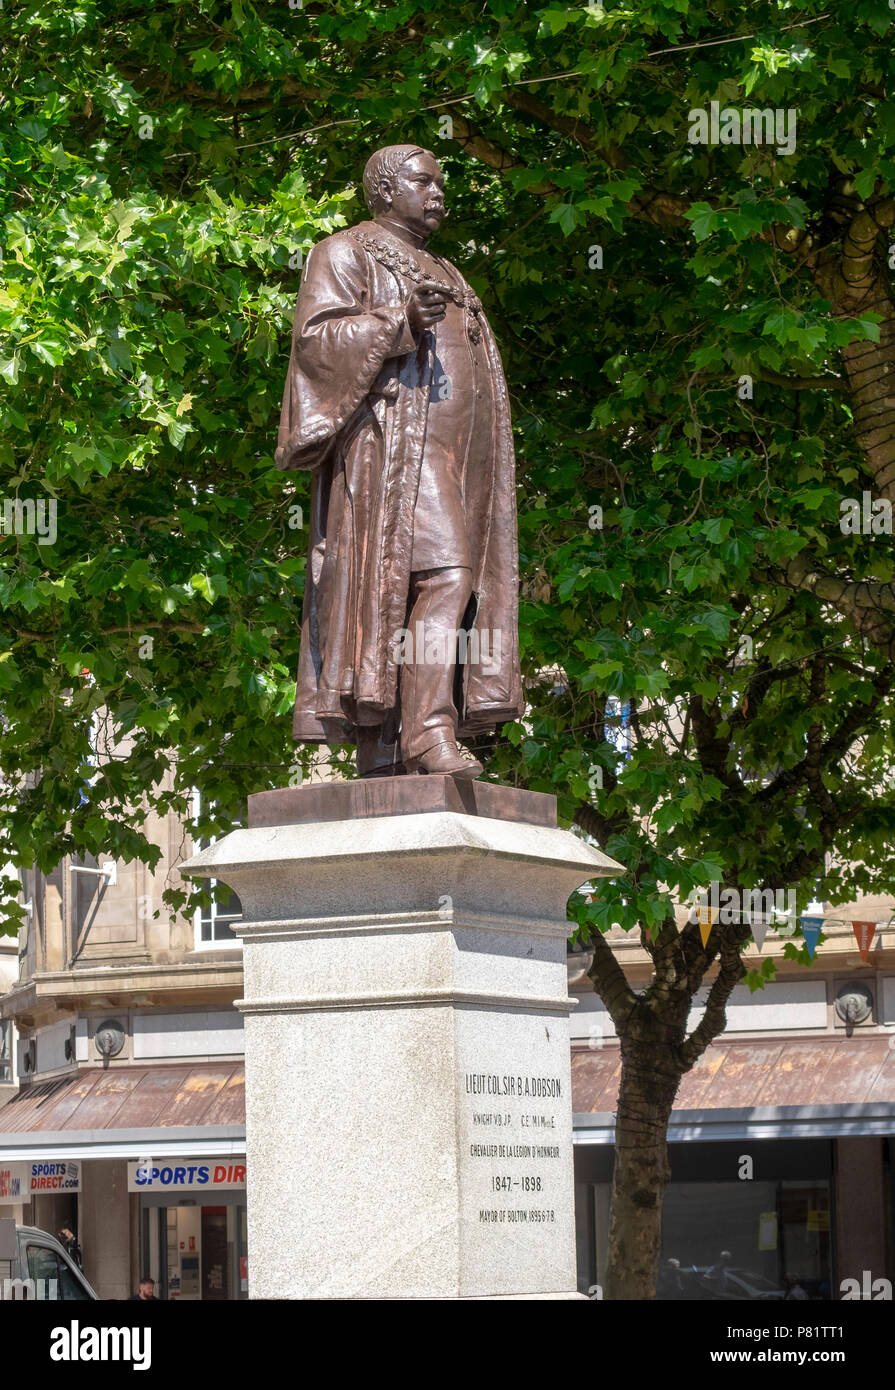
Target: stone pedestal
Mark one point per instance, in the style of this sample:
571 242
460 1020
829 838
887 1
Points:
408 1102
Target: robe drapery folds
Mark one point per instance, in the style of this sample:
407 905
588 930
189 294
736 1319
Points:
354 411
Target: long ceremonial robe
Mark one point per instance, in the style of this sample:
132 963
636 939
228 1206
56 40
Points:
354 410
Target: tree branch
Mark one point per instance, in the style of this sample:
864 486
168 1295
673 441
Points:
609 981
714 1020
805 383
570 126
869 605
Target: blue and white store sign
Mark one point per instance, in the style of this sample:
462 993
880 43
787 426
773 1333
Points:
20 1182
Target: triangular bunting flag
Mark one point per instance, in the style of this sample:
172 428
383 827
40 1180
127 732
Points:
811 930
706 917
759 929
864 934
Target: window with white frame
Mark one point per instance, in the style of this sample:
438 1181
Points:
213 921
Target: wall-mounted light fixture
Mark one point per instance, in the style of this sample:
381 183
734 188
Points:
107 871
109 1038
853 1004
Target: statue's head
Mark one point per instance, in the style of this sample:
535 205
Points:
405 183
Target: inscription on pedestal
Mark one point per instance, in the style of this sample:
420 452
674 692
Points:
512 1157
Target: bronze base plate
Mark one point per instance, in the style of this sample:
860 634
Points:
399 796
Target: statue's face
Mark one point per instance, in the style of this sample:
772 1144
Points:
417 195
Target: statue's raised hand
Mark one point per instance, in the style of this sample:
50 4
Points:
426 306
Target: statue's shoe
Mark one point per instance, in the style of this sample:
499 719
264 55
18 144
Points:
447 760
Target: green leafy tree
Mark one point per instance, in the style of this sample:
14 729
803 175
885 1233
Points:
699 340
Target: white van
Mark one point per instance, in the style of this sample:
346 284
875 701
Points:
33 1265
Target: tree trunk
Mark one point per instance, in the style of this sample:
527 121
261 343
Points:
648 1087
656 1051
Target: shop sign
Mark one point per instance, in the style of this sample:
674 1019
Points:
14 1182
19 1182
202 1175
55 1177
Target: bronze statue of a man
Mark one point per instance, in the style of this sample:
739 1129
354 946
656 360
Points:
396 399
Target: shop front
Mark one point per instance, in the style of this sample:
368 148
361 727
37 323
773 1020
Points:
46 1191
782 1179
75 1153
192 1221
741 1221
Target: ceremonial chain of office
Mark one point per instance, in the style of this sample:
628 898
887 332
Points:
389 255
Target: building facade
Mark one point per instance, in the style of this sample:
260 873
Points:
781 1139
128 1125
9 970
